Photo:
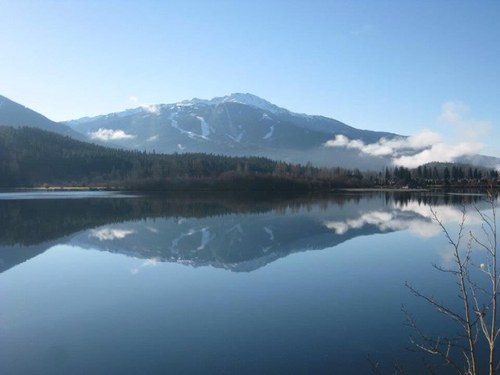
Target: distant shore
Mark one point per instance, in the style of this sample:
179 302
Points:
399 189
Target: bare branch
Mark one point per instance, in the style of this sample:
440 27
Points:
439 307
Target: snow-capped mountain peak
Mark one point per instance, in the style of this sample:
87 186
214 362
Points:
236 124
251 100
192 102
241 98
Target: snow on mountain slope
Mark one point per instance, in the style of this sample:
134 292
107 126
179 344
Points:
250 100
237 124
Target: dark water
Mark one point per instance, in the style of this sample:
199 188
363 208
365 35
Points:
219 285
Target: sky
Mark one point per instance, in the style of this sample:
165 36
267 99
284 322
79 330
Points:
427 69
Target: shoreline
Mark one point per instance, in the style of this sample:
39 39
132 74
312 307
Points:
445 189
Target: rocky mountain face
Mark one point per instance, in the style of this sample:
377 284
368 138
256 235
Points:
238 124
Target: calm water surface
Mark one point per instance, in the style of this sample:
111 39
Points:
187 285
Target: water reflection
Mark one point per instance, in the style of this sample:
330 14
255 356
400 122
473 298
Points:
412 216
224 232
80 308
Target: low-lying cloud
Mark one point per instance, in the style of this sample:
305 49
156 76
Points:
442 152
110 135
426 146
384 146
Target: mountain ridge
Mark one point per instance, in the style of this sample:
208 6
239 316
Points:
17 115
241 98
239 124
235 125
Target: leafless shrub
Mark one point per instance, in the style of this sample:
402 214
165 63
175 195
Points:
477 315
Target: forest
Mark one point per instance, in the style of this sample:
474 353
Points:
31 157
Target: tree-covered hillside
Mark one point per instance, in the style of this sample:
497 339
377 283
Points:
32 157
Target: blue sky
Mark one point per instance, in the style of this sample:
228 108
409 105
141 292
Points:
399 66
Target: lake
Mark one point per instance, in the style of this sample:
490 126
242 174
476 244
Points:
104 283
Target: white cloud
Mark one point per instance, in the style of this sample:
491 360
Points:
439 152
151 108
377 218
417 219
387 221
384 147
427 146
109 234
110 134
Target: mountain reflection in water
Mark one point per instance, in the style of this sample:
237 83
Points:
80 308
234 233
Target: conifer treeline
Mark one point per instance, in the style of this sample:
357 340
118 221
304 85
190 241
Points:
32 157
440 173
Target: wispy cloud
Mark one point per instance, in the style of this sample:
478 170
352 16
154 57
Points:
133 99
456 114
110 134
151 108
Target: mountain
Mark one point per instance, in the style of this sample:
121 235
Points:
239 232
236 233
238 124
223 231
233 125
484 161
16 115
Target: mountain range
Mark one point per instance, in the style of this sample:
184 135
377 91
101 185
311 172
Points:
235 125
